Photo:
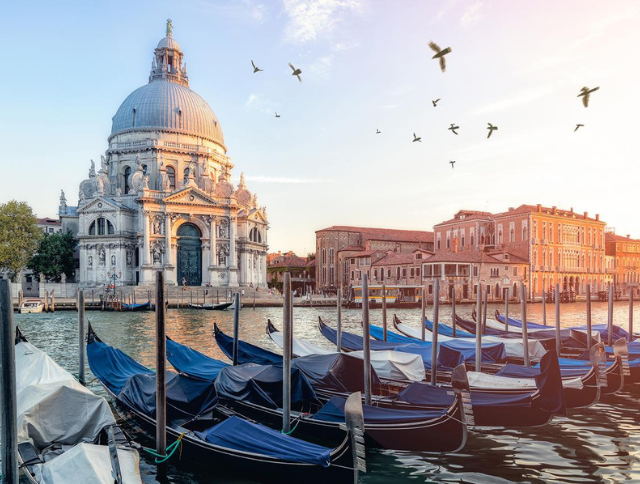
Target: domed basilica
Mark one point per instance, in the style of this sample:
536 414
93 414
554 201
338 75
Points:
162 197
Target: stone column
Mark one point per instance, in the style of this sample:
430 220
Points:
232 243
167 235
145 235
214 242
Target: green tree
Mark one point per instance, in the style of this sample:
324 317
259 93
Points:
55 256
311 256
19 236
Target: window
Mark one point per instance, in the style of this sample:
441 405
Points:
171 173
413 272
515 271
126 173
353 260
101 225
462 241
92 228
512 235
185 180
144 169
388 272
475 271
449 269
418 256
404 272
472 241
397 273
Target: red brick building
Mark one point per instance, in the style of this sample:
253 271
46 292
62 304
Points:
626 261
301 269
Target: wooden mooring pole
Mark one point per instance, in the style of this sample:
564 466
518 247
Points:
287 339
434 335
161 366
81 338
525 332
8 397
339 321
478 328
589 343
384 312
366 340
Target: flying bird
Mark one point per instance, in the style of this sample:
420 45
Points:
255 68
435 102
378 131
277 115
452 163
491 129
416 138
453 128
578 126
585 92
296 72
440 53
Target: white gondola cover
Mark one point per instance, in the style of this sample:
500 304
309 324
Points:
485 381
393 365
53 407
495 324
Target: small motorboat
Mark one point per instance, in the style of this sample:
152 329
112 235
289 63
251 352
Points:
31 306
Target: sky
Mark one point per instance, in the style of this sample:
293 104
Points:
366 66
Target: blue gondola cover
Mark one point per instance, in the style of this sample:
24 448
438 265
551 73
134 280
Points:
192 362
333 411
262 385
241 435
112 366
247 353
334 372
549 382
422 393
447 330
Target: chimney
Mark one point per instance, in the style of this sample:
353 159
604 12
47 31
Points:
628 236
554 210
586 215
367 245
539 208
571 211
511 209
597 217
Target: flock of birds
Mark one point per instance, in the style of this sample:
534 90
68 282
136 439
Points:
585 93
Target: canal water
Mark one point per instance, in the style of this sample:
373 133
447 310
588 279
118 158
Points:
600 444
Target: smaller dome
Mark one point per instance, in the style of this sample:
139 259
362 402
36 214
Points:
168 43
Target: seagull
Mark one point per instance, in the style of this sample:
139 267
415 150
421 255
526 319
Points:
585 92
378 131
277 115
578 126
416 138
491 129
440 53
435 102
255 68
452 163
296 72
453 128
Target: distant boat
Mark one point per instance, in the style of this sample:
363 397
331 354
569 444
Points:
212 307
31 306
136 306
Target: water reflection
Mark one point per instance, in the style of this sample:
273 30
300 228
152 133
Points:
597 444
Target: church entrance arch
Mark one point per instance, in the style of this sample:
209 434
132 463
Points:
189 255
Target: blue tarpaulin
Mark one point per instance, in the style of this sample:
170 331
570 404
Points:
244 436
112 366
247 353
549 382
518 371
192 362
422 393
262 385
337 372
446 330
333 411
186 397
491 352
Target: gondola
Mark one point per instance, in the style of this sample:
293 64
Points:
243 388
136 306
212 307
502 409
84 442
210 434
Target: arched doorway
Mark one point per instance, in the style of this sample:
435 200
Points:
189 255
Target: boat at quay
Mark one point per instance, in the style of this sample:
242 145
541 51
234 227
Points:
597 444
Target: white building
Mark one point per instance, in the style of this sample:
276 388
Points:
162 198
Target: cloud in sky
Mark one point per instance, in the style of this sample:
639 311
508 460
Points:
311 19
471 15
261 103
283 179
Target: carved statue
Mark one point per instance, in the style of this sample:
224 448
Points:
99 186
103 164
145 182
157 226
156 253
255 200
113 260
81 196
118 192
169 26
90 261
92 170
102 257
241 184
63 202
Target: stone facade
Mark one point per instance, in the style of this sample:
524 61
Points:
337 245
624 267
162 198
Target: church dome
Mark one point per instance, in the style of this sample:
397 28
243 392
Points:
167 103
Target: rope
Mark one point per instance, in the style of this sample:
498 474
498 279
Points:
160 459
297 421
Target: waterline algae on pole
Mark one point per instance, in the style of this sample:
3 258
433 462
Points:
434 337
8 397
478 328
366 340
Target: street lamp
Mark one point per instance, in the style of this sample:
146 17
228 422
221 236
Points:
114 276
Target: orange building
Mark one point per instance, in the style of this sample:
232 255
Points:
626 261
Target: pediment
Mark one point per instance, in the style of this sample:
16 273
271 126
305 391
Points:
256 215
190 196
102 204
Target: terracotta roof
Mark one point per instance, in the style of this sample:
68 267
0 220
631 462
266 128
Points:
469 215
470 257
384 234
287 260
514 259
351 247
49 221
547 211
609 237
394 259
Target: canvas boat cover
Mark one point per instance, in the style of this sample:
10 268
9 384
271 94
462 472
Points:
519 371
337 372
192 362
262 385
53 407
394 365
446 330
89 463
422 393
491 353
112 366
241 435
247 353
486 381
514 348
50 401
333 411
547 332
